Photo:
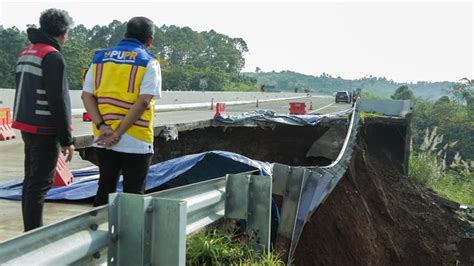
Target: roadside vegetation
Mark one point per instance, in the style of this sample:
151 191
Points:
211 247
442 145
365 115
455 182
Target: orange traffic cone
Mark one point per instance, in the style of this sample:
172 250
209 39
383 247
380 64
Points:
311 106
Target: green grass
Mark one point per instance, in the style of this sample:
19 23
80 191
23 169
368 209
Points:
365 115
455 187
209 247
426 168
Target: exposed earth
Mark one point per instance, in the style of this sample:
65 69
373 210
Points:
376 216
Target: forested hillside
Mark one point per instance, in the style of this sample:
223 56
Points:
325 83
186 56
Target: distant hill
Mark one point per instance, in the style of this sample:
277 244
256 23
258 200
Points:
326 84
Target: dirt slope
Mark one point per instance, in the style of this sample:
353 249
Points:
375 216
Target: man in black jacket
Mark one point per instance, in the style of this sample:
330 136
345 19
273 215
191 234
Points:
42 110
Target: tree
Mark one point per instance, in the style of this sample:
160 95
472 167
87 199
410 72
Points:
463 92
12 41
186 56
77 57
403 93
443 100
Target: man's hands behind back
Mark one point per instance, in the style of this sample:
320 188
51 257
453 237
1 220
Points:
107 136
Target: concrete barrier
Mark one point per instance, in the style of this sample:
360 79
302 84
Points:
7 97
178 100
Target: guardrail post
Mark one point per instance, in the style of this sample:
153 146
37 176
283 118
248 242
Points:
305 207
129 229
295 181
249 198
169 232
280 178
324 181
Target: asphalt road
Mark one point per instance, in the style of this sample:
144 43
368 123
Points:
321 105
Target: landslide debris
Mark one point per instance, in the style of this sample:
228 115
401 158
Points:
376 216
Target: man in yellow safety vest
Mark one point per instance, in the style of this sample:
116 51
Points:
119 91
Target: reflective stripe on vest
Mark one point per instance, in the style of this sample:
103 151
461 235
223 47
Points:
115 102
98 75
133 76
139 122
31 109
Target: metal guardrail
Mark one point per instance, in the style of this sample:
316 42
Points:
61 243
305 188
152 229
147 229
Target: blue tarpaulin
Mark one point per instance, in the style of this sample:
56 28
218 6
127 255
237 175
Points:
266 116
183 170
270 116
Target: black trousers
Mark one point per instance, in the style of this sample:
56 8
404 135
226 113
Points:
134 168
41 157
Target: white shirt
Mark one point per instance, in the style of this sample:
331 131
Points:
151 85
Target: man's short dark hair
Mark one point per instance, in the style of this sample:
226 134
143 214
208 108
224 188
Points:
55 22
140 28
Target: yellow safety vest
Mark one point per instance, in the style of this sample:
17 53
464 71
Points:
118 73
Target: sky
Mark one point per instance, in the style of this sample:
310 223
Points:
404 41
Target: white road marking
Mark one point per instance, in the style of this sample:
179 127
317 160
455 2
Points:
324 107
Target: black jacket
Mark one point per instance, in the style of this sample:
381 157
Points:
42 102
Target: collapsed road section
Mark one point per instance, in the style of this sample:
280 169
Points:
310 156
